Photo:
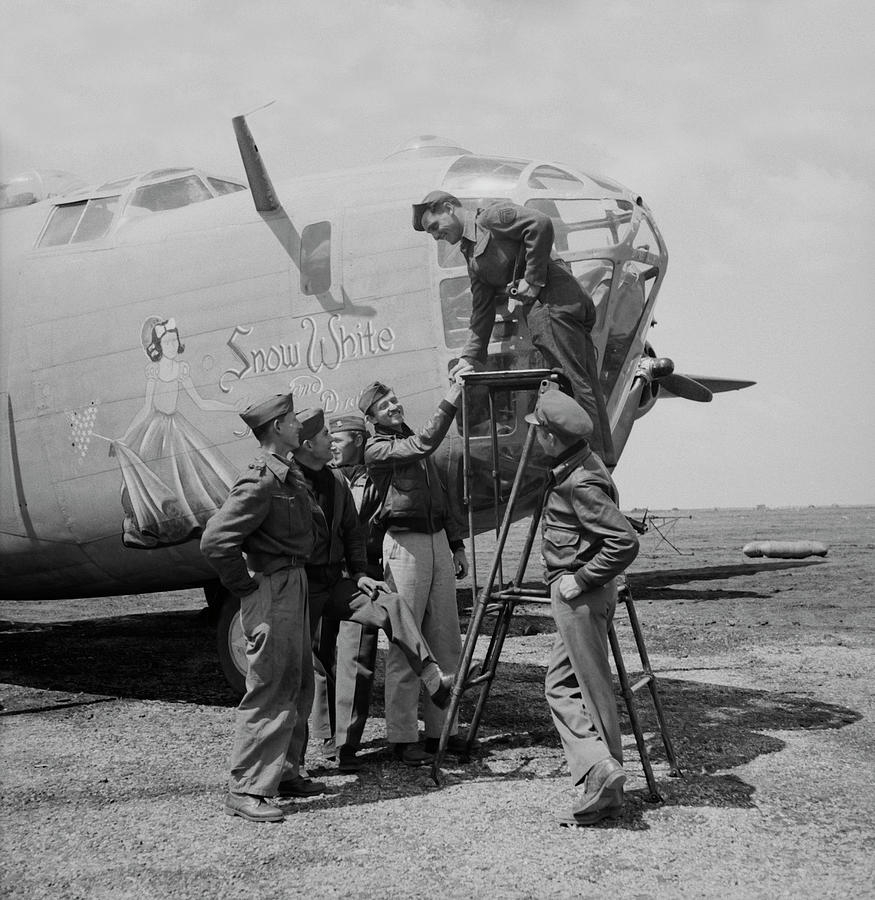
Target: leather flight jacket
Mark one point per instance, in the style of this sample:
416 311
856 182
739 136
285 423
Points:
401 465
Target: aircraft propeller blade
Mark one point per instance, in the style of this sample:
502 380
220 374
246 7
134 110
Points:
686 387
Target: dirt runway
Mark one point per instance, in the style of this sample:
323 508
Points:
116 727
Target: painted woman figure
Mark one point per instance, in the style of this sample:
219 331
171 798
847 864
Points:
173 478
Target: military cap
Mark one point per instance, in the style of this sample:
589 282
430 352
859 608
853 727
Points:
267 410
312 422
349 422
560 414
371 394
428 201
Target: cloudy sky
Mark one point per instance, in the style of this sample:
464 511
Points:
747 127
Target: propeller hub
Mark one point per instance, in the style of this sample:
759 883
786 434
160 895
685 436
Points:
654 368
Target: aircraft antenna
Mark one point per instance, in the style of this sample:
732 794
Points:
259 108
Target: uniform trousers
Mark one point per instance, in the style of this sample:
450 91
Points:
343 689
561 332
279 683
420 568
578 685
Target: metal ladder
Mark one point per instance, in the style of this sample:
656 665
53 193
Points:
502 601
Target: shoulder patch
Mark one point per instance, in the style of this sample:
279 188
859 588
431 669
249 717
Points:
258 464
506 215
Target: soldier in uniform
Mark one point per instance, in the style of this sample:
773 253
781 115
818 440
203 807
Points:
506 243
339 545
586 543
267 517
349 650
422 552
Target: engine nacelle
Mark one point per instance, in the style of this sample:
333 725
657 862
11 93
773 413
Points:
651 368
649 395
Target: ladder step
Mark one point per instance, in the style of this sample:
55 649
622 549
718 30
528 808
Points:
524 592
520 598
642 682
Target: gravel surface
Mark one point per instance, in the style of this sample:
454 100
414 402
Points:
116 728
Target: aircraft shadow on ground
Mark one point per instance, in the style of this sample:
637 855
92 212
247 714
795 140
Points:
654 579
171 657
660 584
713 728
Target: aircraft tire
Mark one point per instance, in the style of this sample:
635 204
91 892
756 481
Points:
230 644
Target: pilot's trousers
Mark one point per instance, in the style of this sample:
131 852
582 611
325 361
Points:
279 683
578 685
557 323
420 567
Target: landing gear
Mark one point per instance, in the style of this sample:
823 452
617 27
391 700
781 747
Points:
230 642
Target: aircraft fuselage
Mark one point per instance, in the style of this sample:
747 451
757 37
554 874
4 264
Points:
125 357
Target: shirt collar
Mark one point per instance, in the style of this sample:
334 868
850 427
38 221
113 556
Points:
403 430
570 459
469 229
279 466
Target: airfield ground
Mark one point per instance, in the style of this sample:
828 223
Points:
116 728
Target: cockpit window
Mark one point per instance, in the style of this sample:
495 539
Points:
220 186
62 224
645 239
89 213
170 194
483 175
85 220
96 220
586 224
549 178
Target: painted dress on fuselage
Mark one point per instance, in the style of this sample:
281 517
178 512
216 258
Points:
174 479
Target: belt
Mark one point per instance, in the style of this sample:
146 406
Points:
284 562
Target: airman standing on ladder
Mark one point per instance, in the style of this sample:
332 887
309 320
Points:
586 543
508 247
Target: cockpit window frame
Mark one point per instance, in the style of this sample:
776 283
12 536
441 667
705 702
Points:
154 189
123 190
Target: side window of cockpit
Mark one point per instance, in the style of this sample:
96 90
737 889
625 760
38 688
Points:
96 219
74 223
315 259
220 186
170 194
62 224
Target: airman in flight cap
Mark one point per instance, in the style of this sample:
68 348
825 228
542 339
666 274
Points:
509 248
267 516
586 543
